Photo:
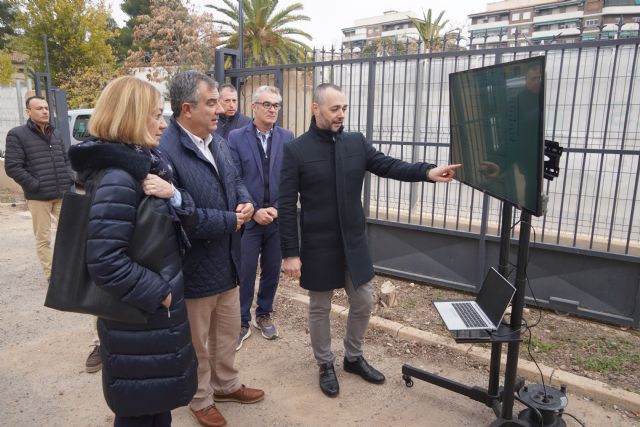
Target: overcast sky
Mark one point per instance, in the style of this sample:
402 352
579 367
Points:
328 17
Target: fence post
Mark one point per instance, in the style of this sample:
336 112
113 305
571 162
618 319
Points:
371 94
218 65
61 112
417 126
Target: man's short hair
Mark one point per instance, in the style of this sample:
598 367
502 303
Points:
122 112
268 89
26 103
227 86
184 88
319 91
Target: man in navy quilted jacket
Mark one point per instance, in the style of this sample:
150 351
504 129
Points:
203 166
37 160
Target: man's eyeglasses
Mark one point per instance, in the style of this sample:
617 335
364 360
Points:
267 105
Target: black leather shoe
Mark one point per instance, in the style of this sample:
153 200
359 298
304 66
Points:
362 368
328 380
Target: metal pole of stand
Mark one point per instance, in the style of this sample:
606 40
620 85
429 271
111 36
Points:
503 264
511 370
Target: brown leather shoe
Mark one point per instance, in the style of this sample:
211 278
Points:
209 417
242 395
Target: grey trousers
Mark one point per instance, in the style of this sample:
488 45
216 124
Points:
360 305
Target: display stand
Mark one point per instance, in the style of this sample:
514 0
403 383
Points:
500 399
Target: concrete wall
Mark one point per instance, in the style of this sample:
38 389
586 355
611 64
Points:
5 181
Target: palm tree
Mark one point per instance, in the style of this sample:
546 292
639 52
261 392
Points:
266 31
430 30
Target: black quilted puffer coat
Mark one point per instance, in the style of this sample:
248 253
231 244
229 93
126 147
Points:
211 265
38 162
150 368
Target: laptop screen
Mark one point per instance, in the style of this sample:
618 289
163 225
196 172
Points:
495 295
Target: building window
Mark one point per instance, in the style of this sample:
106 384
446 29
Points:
515 16
526 15
591 22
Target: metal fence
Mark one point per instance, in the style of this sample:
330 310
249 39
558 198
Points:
401 104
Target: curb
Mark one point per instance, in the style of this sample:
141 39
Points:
593 389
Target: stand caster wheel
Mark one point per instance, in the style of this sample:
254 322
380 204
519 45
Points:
407 380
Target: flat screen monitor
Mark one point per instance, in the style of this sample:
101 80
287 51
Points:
497 130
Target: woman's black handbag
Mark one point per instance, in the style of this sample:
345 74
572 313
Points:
71 287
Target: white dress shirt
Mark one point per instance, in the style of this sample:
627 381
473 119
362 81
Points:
203 145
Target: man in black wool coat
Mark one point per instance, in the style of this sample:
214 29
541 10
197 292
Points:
326 167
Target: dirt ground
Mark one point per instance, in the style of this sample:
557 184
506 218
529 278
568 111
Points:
606 353
42 355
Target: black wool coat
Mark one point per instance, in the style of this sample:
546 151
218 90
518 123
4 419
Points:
149 368
328 170
37 162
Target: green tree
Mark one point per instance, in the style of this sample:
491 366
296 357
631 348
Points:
123 43
7 22
430 30
267 34
84 85
77 32
173 38
6 68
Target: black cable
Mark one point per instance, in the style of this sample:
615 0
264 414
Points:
574 417
544 387
538 414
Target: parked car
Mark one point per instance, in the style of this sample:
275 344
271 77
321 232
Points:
79 123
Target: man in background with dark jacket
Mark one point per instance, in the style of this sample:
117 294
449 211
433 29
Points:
36 159
203 166
326 167
231 118
257 152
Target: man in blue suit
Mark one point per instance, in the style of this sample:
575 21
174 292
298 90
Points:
257 152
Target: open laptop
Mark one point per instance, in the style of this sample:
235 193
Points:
486 312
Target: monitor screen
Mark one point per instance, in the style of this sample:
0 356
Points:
497 115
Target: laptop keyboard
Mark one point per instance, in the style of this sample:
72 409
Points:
469 315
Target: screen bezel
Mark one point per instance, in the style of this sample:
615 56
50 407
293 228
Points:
537 210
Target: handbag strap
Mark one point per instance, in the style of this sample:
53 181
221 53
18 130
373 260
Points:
92 183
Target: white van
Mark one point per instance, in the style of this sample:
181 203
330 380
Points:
79 123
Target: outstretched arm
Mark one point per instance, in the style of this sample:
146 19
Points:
443 173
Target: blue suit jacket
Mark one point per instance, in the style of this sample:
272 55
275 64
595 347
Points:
244 149
210 266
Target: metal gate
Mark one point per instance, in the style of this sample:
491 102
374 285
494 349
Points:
585 250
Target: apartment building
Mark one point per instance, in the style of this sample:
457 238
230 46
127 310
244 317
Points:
524 22
391 25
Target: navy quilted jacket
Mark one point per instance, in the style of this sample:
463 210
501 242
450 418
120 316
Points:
38 162
148 368
210 266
